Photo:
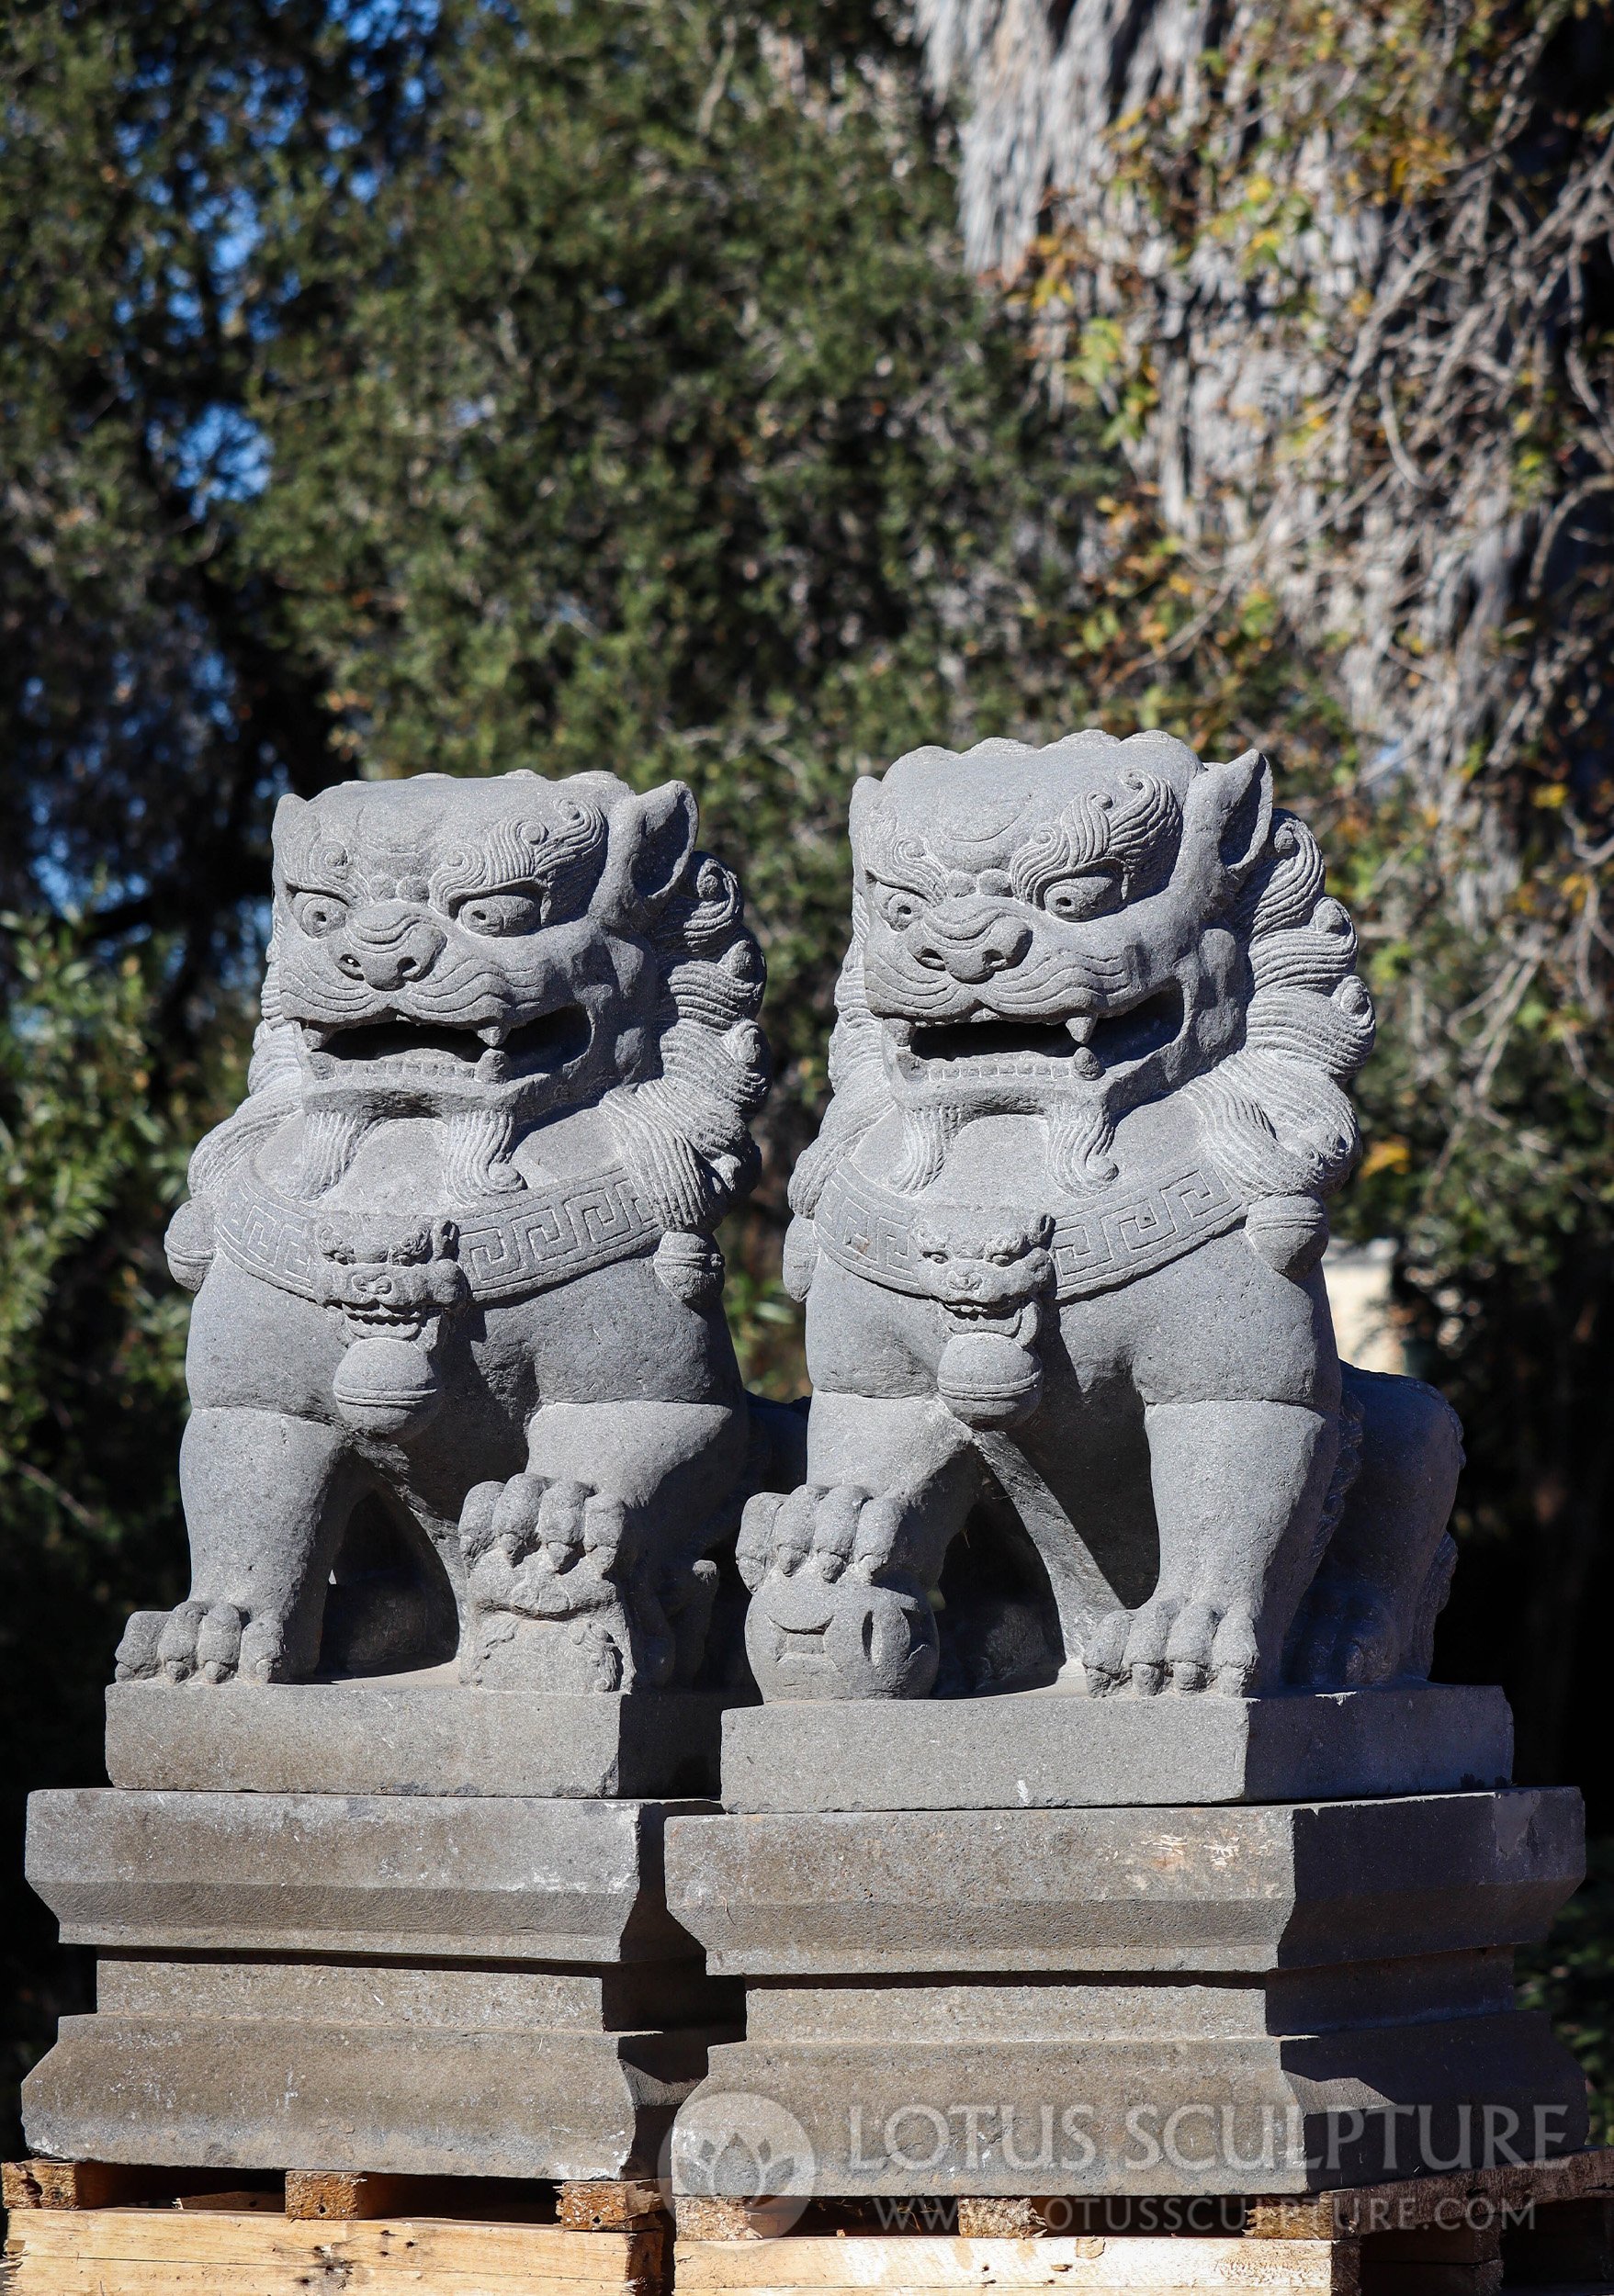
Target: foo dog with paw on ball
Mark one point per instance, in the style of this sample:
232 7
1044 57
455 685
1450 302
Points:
1059 1239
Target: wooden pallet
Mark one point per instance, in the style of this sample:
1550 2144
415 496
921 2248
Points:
91 2229
1465 2234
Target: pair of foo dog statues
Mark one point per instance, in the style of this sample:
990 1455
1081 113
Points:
460 1378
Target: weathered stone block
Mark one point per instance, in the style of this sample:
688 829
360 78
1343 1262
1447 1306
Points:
1167 2114
427 1733
463 1878
468 1985
631 1997
1050 1749
1064 1891
419 2100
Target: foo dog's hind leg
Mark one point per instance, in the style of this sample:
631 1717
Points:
265 1497
1370 1614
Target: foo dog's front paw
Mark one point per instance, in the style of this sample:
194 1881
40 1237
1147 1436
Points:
831 1615
207 1642
509 1521
547 1613
1173 1645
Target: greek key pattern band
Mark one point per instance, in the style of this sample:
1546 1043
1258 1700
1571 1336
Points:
868 1229
547 1238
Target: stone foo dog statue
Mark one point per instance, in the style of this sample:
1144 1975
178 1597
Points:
458 1369
1058 1240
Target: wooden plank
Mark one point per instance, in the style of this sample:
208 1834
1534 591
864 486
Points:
69 2184
100 2184
1409 2203
552 2261
59 2276
700 2217
319 2196
611 2205
990 2217
1177 2266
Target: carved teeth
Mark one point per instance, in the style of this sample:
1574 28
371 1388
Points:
1080 1026
494 1033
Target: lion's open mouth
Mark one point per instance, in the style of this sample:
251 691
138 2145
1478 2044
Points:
989 1047
491 1053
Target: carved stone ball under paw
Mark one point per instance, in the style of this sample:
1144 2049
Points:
835 1615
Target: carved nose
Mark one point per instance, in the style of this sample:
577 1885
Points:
972 944
387 946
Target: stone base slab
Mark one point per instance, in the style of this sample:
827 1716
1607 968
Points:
281 2094
461 1879
1065 1891
427 1733
1051 1750
1185 2116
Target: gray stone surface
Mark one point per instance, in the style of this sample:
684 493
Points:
458 1370
427 1733
1174 2114
1429 1989
634 1998
466 1879
1109 1891
299 2095
1071 1352
1050 1749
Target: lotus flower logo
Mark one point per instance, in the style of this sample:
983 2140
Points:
733 2145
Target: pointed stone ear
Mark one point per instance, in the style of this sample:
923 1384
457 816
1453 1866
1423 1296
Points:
652 838
1233 803
865 798
288 814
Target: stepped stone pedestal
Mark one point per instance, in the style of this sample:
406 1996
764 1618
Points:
966 1974
454 1957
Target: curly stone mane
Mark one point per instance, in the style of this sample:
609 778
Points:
682 1134
1273 1113
679 1131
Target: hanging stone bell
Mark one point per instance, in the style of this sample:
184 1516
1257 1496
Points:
989 1378
387 1386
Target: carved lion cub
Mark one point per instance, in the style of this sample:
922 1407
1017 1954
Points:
458 1370
1059 1239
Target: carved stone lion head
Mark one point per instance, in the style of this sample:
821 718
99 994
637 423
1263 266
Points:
1080 931
495 954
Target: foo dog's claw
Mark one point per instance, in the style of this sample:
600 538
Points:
1144 1661
218 1643
560 1514
1188 1646
1236 1659
476 1520
1105 1653
176 1645
758 1541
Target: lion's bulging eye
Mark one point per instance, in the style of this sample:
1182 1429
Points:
1072 898
899 909
498 913
319 912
